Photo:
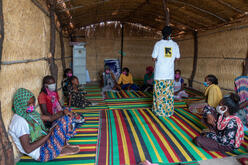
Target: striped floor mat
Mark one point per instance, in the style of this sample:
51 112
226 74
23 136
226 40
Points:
131 136
193 95
94 93
126 94
129 103
86 138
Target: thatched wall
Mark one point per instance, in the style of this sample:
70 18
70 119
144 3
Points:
27 36
221 52
104 42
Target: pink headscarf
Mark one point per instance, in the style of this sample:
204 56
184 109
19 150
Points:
56 105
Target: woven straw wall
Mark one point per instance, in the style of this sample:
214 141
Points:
186 61
104 42
221 52
27 36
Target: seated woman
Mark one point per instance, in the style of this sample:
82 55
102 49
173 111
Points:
148 79
30 135
226 131
241 88
76 98
66 81
109 81
125 81
49 99
212 93
179 86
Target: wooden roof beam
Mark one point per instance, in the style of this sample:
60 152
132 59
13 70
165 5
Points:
72 8
166 11
230 6
200 9
132 13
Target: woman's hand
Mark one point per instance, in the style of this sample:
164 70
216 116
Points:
68 113
211 120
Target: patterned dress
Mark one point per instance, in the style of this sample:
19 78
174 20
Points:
229 130
241 84
163 98
78 99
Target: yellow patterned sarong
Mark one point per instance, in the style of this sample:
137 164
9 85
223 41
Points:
163 97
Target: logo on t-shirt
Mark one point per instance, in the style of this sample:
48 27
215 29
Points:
168 52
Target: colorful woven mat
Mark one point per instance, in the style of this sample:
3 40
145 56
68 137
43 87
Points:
132 136
86 138
193 95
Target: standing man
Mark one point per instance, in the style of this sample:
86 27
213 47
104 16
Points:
164 55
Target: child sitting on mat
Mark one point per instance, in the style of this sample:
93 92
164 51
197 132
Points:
226 131
179 91
125 81
76 98
109 81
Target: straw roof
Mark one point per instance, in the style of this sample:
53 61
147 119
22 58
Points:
185 15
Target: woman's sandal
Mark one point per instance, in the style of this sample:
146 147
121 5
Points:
146 162
243 160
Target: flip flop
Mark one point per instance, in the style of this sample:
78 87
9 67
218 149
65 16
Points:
243 161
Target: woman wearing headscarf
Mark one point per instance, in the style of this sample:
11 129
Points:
241 88
164 54
30 135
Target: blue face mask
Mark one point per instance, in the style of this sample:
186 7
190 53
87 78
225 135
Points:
205 84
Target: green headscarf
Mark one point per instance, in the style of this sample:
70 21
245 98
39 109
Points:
36 126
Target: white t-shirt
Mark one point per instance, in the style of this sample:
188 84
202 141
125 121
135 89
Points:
19 127
166 51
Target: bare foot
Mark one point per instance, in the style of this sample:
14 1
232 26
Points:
69 150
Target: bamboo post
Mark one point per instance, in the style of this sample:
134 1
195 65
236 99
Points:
62 49
6 150
1 31
167 13
122 39
195 33
245 67
53 67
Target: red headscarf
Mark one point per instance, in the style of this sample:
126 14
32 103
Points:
149 69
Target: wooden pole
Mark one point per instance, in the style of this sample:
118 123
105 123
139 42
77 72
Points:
245 68
1 31
62 49
195 33
122 39
52 27
6 150
40 7
167 13
53 67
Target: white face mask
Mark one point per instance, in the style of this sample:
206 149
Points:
52 87
218 109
